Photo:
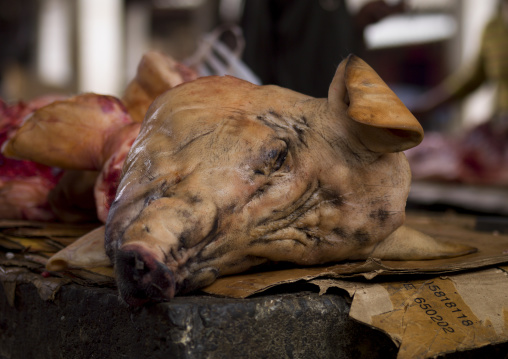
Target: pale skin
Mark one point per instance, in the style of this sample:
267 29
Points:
226 175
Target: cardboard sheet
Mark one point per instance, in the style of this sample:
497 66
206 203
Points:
436 308
434 316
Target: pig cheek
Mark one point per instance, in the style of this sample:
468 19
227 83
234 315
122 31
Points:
278 197
232 189
229 255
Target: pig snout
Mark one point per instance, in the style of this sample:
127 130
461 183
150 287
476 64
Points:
155 250
143 277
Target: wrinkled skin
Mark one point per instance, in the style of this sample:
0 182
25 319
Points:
226 175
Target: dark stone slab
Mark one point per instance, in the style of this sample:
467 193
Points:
85 322
90 322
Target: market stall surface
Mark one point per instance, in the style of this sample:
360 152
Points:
77 314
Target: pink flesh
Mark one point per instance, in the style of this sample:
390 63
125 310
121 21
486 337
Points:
107 135
24 185
109 178
480 156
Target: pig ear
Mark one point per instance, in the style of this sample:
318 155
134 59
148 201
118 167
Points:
407 244
381 121
86 252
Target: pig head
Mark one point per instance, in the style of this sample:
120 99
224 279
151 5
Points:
226 175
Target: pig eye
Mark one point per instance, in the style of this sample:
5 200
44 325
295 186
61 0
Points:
280 159
272 160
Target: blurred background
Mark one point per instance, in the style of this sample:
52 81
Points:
446 59
73 46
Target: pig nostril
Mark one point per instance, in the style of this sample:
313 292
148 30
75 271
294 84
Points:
140 265
142 278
